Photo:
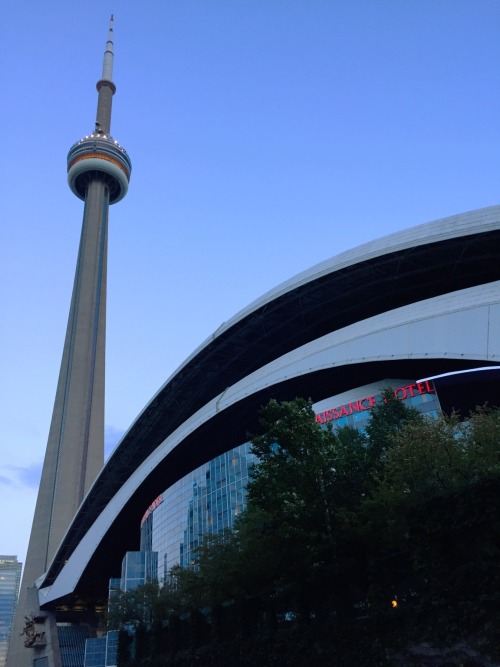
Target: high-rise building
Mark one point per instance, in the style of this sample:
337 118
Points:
10 576
98 173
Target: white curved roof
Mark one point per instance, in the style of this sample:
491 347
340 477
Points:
459 324
462 224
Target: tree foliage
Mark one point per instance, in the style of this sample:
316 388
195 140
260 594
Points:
377 530
145 605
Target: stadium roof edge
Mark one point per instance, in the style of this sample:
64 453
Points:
461 224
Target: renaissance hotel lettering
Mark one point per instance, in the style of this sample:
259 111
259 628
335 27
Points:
369 402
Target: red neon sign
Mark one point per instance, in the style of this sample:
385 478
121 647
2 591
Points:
369 402
157 501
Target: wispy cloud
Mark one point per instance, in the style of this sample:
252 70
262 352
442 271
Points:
25 475
30 475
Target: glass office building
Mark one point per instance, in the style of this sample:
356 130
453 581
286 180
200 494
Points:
206 501
137 568
10 576
101 651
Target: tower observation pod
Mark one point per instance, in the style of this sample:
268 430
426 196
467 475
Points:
99 174
99 157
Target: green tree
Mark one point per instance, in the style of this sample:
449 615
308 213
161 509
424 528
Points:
430 525
305 470
430 457
387 418
307 481
341 523
144 605
215 576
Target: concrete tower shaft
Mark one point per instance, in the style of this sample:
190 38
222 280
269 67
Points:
98 173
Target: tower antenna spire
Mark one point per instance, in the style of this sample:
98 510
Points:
105 87
107 65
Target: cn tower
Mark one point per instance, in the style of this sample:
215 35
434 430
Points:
98 173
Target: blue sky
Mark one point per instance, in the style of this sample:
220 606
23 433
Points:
265 135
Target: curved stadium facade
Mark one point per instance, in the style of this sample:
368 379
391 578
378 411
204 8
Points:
418 310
